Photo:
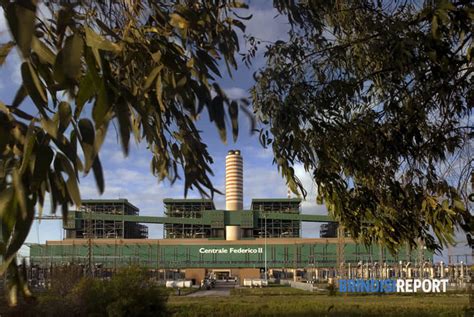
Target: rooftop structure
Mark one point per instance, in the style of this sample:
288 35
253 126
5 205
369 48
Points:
91 227
191 209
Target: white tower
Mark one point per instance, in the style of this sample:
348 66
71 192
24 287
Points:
234 189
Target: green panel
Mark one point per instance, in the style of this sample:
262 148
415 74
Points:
232 218
292 216
154 255
315 218
214 218
243 218
247 220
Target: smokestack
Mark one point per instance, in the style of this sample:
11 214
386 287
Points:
233 189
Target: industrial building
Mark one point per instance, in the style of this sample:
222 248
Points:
106 229
200 239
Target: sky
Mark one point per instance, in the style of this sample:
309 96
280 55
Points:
130 177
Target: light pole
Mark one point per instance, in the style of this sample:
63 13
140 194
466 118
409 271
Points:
265 255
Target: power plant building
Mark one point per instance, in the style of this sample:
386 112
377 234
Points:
200 239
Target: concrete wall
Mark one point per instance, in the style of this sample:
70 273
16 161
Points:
197 274
246 274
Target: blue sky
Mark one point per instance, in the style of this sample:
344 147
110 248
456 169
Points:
131 178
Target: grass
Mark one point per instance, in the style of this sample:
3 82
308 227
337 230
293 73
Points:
285 301
270 291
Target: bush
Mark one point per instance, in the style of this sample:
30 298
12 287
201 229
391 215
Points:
64 278
90 297
128 293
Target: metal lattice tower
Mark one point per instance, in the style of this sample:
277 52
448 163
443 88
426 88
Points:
340 250
89 235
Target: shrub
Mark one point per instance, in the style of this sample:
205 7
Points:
90 297
64 278
128 293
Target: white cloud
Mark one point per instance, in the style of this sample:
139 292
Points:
3 25
236 93
263 182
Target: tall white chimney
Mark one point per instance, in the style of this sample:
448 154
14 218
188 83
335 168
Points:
234 189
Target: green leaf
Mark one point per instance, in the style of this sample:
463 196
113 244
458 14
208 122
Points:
19 192
101 132
70 150
123 116
156 56
21 18
22 228
34 86
44 53
151 77
98 174
28 147
50 126
58 68
98 42
159 93
20 96
5 48
234 116
65 115
217 114
178 21
101 105
85 93
43 158
71 183
6 196
86 128
208 61
72 53
4 109
459 204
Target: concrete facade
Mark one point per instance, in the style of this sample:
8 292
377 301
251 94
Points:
195 274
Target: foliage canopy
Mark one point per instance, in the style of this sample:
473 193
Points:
148 67
373 97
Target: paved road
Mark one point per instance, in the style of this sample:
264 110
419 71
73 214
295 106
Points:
221 289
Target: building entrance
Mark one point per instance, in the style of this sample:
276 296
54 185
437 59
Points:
222 275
